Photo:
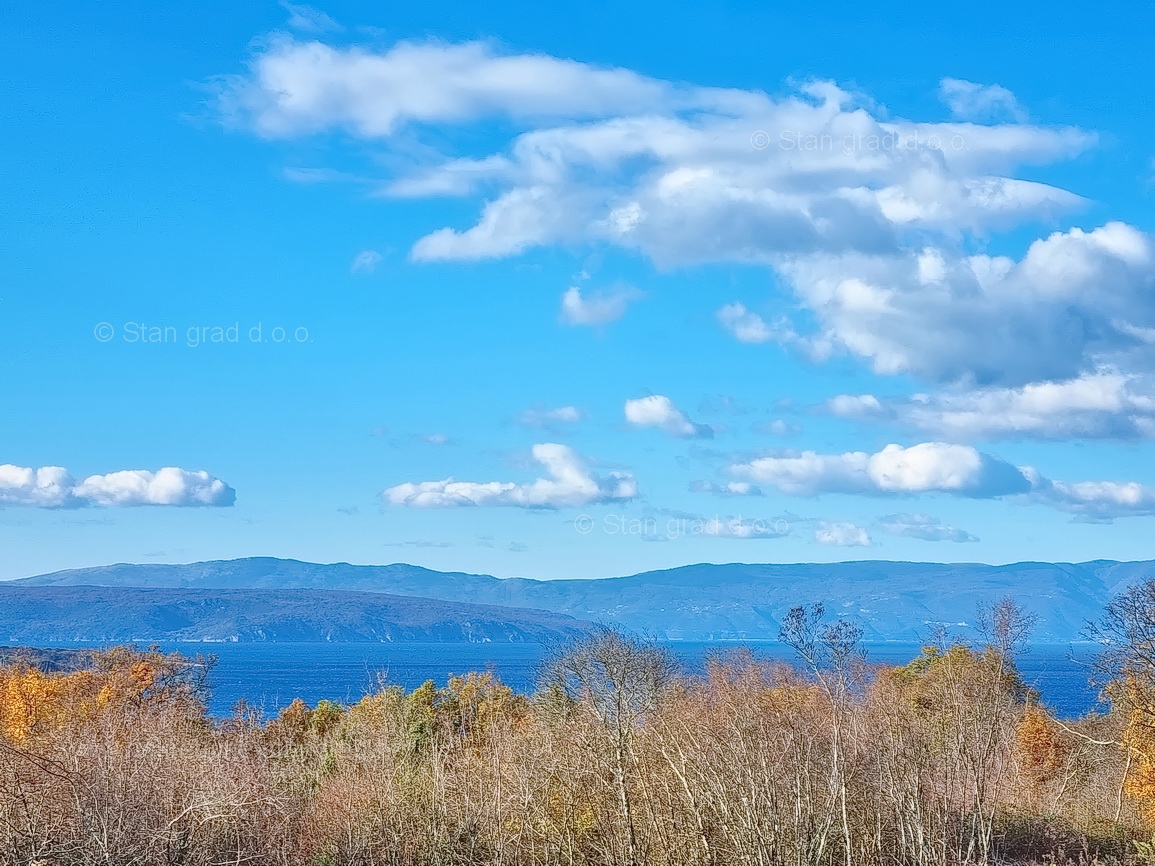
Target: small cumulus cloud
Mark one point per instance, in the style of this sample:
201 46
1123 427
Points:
747 327
660 412
855 406
596 308
841 535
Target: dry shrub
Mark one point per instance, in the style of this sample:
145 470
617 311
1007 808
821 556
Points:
618 759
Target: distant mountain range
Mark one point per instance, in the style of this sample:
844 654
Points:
53 614
265 598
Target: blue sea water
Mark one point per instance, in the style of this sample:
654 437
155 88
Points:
269 675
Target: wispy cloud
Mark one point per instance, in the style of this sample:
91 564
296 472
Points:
970 101
570 483
561 416
922 526
365 262
307 19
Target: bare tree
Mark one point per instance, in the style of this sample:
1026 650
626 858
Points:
834 654
621 679
1126 671
1126 631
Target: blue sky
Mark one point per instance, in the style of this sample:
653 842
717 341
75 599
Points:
576 292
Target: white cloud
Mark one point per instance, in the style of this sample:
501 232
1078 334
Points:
810 473
866 219
970 101
861 406
168 486
569 484
747 327
922 526
54 487
365 262
1105 404
599 308
924 468
1076 301
540 417
842 535
711 197
294 87
307 19
46 487
659 411
669 169
940 467
1099 501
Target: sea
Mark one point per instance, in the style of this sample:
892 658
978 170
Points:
269 675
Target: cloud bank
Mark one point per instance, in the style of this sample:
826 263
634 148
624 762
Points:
864 217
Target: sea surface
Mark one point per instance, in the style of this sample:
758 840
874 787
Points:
270 675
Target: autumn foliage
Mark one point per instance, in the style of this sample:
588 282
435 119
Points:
619 758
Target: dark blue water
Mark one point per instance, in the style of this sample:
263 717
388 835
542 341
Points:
269 675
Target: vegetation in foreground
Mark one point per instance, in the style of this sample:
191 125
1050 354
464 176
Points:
618 759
